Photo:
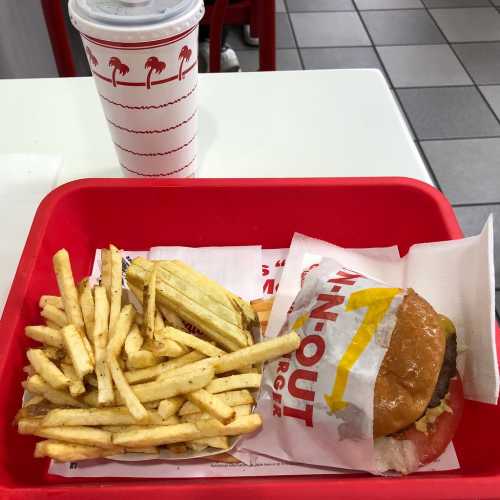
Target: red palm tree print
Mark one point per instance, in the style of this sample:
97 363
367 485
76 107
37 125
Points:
117 65
92 58
153 64
184 55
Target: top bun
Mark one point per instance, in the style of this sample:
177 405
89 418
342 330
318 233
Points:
410 369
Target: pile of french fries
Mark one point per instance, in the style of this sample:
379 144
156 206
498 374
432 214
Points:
110 378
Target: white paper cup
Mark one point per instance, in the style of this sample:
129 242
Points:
146 74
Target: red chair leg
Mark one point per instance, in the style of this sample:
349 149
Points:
216 26
56 27
267 34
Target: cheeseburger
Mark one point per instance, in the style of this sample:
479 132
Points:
418 397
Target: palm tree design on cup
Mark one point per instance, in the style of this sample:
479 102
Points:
92 58
117 65
153 64
184 55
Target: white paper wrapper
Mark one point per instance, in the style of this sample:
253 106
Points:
323 393
273 263
236 268
455 276
251 465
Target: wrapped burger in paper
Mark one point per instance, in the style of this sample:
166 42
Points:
345 309
326 387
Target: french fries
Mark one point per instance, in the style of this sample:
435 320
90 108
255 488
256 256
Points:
149 304
77 350
87 306
105 280
134 341
146 374
115 300
123 324
108 379
159 322
66 284
51 299
46 369
69 452
118 415
36 385
165 347
212 405
169 407
233 398
191 341
239 411
162 435
76 386
258 353
100 336
129 396
55 315
174 385
220 442
89 436
224 384
46 335
28 425
141 359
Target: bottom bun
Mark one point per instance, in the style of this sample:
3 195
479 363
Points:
406 451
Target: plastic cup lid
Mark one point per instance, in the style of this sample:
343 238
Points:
120 12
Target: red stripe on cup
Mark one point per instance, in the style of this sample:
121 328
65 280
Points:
164 153
139 45
173 172
150 106
160 131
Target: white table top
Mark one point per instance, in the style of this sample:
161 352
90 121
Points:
281 124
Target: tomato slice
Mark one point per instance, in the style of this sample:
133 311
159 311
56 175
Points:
431 445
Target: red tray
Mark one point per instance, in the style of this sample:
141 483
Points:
137 214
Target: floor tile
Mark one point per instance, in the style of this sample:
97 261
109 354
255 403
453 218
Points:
492 95
469 25
436 4
467 170
481 61
441 113
472 220
344 57
280 6
401 27
319 5
284 35
286 60
329 29
423 66
388 4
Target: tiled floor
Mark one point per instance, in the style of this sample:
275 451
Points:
441 57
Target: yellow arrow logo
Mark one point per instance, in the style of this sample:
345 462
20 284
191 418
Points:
378 301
